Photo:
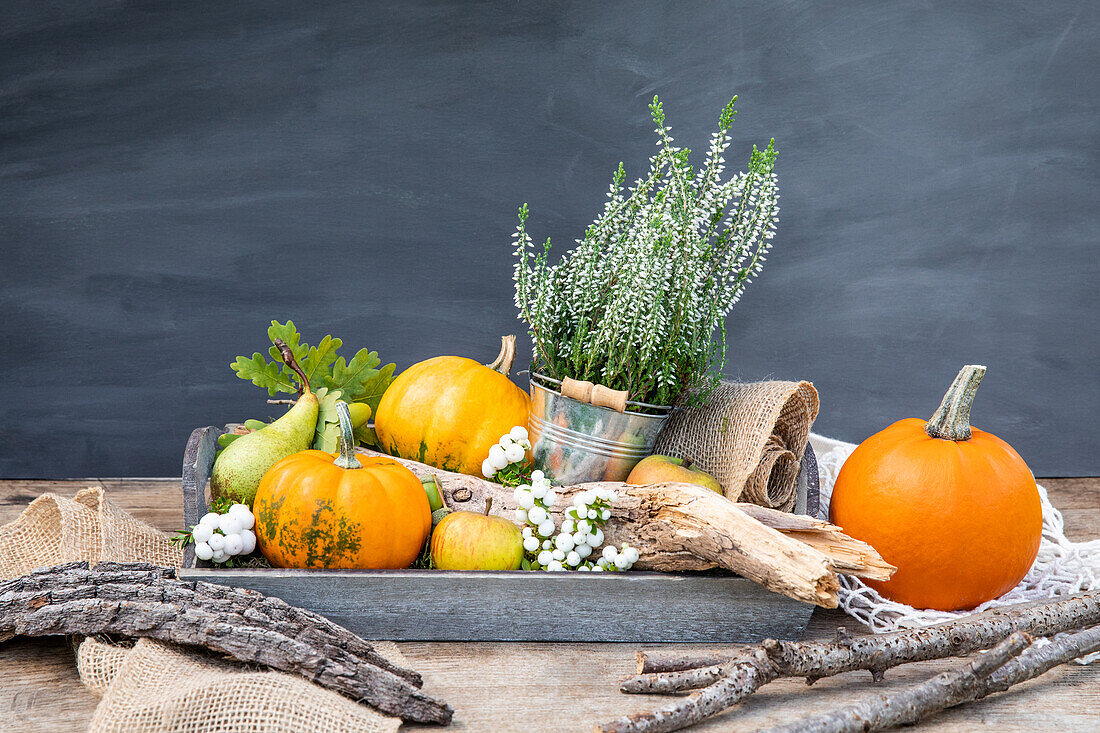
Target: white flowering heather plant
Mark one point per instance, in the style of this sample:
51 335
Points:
640 303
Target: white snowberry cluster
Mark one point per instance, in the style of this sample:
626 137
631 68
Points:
218 537
580 534
535 500
622 558
511 449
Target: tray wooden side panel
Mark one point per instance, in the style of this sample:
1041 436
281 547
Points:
437 605
198 462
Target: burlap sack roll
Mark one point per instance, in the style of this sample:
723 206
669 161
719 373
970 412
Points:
750 437
160 687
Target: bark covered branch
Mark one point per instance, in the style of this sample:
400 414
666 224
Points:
721 685
996 671
142 600
912 703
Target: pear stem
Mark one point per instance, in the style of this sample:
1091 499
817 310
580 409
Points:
488 505
506 357
951 421
347 458
687 462
290 361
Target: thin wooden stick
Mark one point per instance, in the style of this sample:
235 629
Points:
877 653
910 704
676 661
729 682
1041 658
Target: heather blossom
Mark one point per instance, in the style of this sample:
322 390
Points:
640 303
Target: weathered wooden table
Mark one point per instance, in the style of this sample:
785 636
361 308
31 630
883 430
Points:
557 687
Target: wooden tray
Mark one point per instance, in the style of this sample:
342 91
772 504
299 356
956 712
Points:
447 605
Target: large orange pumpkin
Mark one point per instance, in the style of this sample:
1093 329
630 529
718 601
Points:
318 510
449 411
954 508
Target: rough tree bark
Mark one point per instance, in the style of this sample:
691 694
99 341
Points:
143 600
720 686
685 527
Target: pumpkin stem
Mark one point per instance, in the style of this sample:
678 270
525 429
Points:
347 458
489 500
507 355
290 361
951 421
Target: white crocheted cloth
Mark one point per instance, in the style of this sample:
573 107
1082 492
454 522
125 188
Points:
1062 567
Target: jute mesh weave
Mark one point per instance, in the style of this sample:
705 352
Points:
750 437
98 662
56 529
158 687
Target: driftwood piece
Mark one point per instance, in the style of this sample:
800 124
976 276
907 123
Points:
141 600
995 671
784 521
847 554
679 527
720 686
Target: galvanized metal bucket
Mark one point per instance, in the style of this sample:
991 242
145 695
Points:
578 442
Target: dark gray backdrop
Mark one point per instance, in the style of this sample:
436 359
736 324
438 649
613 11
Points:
173 176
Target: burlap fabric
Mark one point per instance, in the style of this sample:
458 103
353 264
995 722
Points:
56 529
160 687
750 437
157 687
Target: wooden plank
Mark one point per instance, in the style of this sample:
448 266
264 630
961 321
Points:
524 606
508 686
1079 501
40 689
154 500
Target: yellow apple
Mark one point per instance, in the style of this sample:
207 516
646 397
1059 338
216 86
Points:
472 541
664 469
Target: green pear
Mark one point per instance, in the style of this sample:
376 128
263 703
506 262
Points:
239 468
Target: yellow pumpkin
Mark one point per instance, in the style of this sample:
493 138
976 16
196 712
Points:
448 411
318 510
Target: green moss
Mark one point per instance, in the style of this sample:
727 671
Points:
323 546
